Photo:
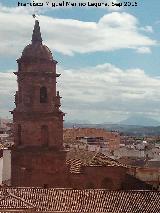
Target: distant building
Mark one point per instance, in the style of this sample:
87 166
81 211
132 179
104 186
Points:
100 136
5 167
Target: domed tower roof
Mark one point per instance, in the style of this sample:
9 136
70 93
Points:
36 50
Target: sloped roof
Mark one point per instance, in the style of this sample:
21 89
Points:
10 201
77 158
79 201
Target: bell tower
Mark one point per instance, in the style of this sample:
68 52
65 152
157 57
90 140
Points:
38 120
38 157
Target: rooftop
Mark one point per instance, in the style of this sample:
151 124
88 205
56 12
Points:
77 158
69 200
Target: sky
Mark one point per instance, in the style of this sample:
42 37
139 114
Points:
108 57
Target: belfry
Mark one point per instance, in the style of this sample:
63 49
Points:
38 120
37 117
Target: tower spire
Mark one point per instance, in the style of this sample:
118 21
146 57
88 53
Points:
36 36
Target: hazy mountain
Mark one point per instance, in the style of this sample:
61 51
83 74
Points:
135 125
140 121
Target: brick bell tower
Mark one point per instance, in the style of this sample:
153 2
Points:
38 157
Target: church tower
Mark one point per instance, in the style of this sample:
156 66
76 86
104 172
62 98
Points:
38 121
37 117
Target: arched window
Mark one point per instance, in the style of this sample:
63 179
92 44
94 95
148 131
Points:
19 66
19 134
44 135
43 95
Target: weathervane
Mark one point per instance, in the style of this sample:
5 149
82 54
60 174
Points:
34 16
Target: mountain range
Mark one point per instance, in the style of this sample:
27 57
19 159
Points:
140 121
134 125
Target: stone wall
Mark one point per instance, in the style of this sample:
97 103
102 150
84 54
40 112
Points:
47 167
38 167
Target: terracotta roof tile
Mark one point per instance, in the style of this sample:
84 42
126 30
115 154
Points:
77 158
69 200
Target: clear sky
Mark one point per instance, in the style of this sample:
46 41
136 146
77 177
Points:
108 56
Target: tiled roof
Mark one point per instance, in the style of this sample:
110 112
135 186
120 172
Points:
78 158
101 159
78 201
11 201
75 165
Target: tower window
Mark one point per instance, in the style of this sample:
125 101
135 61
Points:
44 135
19 66
43 95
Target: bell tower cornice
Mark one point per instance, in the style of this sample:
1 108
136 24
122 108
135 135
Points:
37 74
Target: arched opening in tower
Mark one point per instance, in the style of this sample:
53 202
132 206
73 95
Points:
43 95
44 135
